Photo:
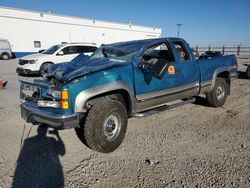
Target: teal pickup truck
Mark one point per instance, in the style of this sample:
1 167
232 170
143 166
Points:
96 95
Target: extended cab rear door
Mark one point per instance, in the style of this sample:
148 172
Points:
188 65
180 81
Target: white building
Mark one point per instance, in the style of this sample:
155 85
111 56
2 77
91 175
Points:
31 31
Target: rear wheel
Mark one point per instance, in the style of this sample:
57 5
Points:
218 95
248 72
105 126
5 56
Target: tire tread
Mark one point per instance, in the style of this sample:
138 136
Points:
87 132
211 96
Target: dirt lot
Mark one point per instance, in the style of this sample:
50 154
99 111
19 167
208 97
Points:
190 146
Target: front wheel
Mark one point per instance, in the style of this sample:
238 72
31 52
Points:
217 97
105 126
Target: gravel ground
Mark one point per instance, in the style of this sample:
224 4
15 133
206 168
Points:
190 146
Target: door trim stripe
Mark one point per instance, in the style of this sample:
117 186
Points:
156 94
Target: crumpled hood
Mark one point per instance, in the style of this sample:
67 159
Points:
80 66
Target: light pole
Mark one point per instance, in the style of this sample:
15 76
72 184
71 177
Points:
130 22
178 29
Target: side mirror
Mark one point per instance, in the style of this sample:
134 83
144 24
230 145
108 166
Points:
60 53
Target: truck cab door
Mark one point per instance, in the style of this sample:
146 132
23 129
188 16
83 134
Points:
180 79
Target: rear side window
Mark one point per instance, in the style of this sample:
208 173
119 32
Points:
70 50
182 52
85 49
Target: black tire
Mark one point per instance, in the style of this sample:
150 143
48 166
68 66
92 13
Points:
5 56
104 127
217 97
248 72
43 68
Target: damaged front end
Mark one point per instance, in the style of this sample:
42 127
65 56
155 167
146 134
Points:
55 73
103 58
42 102
52 101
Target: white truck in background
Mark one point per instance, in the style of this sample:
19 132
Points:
5 50
36 64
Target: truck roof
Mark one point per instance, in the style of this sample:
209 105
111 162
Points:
135 45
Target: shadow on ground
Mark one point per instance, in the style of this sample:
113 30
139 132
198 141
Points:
38 164
201 101
242 75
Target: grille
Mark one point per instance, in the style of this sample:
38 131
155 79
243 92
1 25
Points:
29 93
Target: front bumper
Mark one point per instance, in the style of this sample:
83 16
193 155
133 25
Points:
23 71
33 114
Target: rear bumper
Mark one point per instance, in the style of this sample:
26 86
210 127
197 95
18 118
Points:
23 71
34 115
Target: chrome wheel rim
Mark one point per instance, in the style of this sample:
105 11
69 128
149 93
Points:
112 126
220 93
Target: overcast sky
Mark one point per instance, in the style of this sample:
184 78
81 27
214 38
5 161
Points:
204 22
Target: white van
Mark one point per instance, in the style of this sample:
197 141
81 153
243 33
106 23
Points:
37 63
5 49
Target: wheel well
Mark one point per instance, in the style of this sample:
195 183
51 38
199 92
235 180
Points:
121 95
226 76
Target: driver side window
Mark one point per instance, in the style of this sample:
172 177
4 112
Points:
156 60
158 52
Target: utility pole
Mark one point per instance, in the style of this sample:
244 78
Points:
178 29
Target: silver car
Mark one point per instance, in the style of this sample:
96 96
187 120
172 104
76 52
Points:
5 49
